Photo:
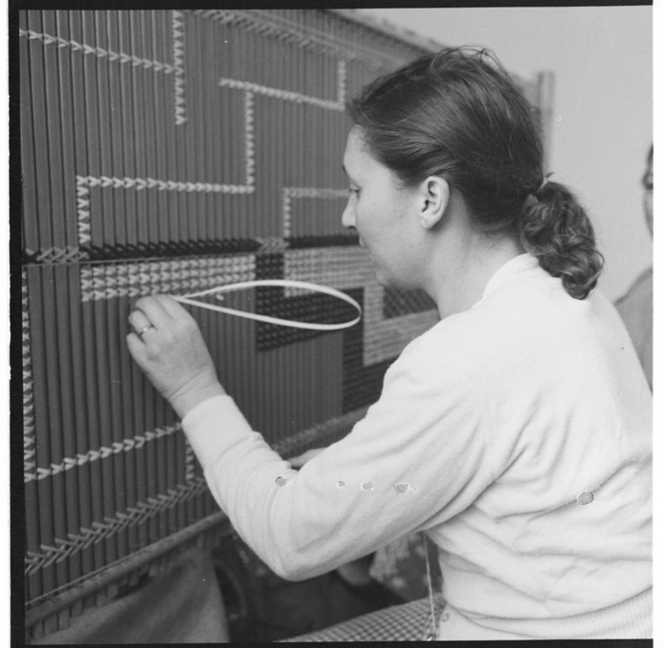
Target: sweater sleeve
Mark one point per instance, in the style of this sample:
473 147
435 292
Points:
420 456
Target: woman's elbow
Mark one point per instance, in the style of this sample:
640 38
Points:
294 567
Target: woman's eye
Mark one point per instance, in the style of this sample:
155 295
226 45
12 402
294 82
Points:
353 191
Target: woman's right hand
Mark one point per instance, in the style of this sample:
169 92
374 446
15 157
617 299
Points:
300 460
167 345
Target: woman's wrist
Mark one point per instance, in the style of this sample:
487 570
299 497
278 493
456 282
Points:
184 402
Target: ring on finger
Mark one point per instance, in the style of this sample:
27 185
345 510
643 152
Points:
145 330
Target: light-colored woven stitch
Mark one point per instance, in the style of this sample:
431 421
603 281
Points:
126 445
162 185
341 267
408 622
85 183
278 93
249 145
347 267
189 461
341 82
386 338
291 193
53 255
108 281
132 516
271 244
119 57
177 68
272 25
177 22
83 210
29 449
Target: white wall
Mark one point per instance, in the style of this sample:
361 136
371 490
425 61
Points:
602 60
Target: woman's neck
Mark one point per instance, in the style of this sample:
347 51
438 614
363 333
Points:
462 269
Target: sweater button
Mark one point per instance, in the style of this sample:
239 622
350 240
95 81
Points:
584 497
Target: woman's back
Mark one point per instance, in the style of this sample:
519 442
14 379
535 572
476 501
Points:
562 528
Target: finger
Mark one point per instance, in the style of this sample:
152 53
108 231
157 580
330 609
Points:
172 307
138 321
154 310
136 347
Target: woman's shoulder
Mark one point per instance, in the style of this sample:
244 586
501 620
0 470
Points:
514 318
458 344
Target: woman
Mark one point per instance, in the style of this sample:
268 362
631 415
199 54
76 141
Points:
636 306
515 432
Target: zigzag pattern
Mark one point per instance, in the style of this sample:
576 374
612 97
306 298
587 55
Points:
69 254
349 267
83 210
341 83
161 185
302 36
182 275
177 69
386 338
264 28
29 448
342 268
178 66
194 487
93 455
272 245
84 183
189 460
286 95
316 192
249 139
306 192
99 52
131 517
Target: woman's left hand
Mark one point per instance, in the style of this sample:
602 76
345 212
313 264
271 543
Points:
168 346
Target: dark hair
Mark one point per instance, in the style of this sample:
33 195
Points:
458 114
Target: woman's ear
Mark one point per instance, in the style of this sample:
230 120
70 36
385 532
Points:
435 194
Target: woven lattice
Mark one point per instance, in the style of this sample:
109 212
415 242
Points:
172 151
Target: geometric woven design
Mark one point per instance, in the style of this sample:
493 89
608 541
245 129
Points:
171 151
28 385
411 621
174 151
178 276
133 516
178 67
401 302
273 24
125 445
120 57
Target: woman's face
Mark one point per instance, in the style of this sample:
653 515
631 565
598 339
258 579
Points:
384 215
